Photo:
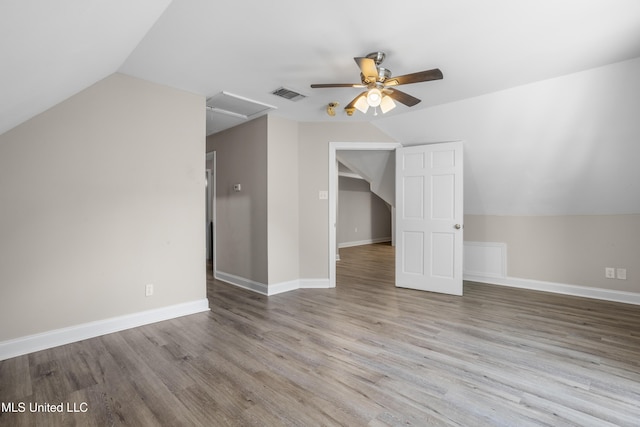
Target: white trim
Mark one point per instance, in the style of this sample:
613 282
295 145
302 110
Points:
560 288
293 285
57 337
314 284
214 206
274 289
241 282
364 242
278 288
333 193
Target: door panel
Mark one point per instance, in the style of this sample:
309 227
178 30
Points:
413 247
429 217
414 202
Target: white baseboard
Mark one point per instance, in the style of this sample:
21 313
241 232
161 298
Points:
57 337
314 284
559 288
364 242
241 282
292 285
278 288
273 289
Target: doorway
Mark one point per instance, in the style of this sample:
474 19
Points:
429 199
334 147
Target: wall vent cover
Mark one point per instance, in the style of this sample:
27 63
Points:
289 94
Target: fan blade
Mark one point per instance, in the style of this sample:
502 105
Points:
352 104
421 76
368 68
402 97
327 85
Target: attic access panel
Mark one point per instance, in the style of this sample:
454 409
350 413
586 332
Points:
237 106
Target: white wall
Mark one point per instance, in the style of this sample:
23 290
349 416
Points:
557 147
101 195
378 167
551 170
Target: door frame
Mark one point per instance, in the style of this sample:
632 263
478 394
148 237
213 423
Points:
333 191
212 199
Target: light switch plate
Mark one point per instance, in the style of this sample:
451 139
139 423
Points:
323 195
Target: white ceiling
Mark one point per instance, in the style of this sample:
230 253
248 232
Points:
51 50
250 48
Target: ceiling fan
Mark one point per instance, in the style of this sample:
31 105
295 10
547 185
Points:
381 86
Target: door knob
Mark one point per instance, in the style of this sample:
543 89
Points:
458 226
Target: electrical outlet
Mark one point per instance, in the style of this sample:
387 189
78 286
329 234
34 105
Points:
148 290
610 273
621 273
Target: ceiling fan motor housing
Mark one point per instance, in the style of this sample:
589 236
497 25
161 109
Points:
378 57
383 74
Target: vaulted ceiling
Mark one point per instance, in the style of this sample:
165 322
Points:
52 50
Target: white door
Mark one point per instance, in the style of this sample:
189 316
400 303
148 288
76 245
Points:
429 217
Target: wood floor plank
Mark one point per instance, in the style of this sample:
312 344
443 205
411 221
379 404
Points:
15 379
363 353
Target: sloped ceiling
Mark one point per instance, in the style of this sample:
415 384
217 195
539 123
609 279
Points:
52 50
250 48
563 146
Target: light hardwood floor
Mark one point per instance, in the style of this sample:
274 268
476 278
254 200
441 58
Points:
364 353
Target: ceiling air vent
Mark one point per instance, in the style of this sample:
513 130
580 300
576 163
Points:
289 94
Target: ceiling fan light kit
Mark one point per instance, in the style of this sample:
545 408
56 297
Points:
387 104
361 104
374 97
381 87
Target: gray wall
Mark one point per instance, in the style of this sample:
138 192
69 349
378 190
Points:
362 216
276 229
101 195
257 229
241 217
283 209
